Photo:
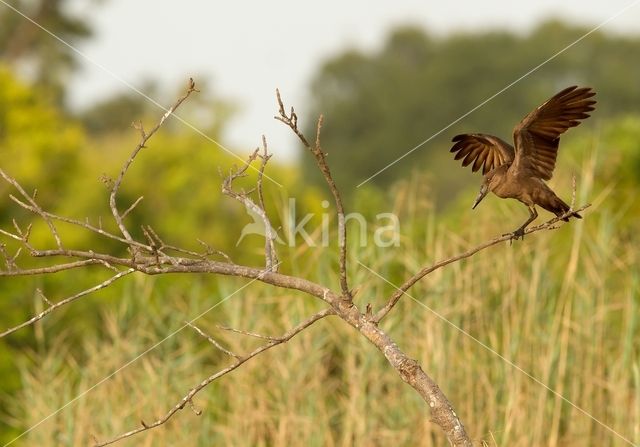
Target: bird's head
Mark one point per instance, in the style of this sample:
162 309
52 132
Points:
484 189
491 181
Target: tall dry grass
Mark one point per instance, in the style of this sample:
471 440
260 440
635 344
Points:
532 343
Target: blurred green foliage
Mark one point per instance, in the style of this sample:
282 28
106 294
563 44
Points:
178 173
39 145
378 106
33 52
561 305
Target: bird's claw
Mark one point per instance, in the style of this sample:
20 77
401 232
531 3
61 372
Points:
518 234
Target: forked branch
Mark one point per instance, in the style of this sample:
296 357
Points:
413 279
153 256
54 306
144 137
240 360
255 209
32 206
291 120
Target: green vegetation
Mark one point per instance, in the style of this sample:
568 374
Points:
378 106
562 305
35 53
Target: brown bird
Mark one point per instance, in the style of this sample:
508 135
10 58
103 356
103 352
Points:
520 173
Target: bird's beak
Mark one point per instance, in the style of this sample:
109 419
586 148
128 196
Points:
483 192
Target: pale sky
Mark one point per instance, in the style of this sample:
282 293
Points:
245 49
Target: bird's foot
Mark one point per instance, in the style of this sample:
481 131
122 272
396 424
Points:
518 234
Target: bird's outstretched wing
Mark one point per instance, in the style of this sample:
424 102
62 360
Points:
483 150
538 134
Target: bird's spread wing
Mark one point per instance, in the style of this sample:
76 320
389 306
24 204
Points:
482 150
538 134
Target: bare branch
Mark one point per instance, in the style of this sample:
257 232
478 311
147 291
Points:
213 341
190 395
144 137
11 235
132 207
197 411
250 334
36 208
51 269
254 208
43 297
393 300
86 225
66 301
269 246
156 257
155 243
291 120
10 261
150 266
208 251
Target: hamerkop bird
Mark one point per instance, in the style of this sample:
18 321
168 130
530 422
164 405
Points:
520 173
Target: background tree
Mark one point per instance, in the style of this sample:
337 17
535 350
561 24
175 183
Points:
35 54
562 306
150 254
383 104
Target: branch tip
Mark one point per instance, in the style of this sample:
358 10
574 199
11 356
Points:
196 410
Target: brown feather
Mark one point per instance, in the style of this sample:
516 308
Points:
482 150
537 136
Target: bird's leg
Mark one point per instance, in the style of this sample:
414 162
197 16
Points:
519 233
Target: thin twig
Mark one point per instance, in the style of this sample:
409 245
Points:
11 235
66 301
213 341
269 246
144 137
291 120
43 297
51 269
34 205
209 251
86 225
395 297
253 207
10 261
132 207
250 334
195 390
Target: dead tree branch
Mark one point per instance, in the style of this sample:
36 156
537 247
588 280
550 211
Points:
66 301
408 283
247 333
255 209
144 137
153 256
240 360
291 120
213 341
50 217
32 201
16 271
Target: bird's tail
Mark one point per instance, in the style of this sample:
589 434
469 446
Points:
558 207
